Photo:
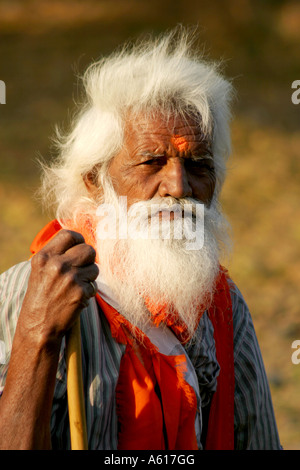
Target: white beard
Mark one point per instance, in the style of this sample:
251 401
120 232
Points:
162 270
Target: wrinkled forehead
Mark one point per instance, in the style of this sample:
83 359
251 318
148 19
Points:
180 128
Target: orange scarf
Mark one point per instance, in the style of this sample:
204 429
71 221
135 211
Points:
156 407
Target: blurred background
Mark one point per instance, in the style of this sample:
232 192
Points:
44 48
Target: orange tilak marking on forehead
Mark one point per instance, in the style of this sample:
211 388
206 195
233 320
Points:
179 142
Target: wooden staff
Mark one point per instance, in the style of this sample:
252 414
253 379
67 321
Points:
75 392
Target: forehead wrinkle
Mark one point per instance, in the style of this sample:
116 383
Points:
154 134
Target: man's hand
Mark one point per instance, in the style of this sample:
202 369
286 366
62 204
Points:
59 286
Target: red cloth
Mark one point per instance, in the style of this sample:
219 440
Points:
220 435
139 407
156 407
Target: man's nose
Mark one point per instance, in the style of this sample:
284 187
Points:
175 181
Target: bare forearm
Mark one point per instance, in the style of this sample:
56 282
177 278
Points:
25 406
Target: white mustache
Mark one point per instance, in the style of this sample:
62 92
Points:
142 220
186 207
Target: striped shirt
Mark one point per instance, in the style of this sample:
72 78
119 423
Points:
254 420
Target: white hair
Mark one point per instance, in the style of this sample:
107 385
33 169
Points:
156 75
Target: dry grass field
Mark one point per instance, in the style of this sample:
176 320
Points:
43 48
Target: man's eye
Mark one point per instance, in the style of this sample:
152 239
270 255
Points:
157 161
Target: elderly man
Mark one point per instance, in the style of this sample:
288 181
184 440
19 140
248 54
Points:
170 359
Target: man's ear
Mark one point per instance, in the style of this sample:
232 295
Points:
91 183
